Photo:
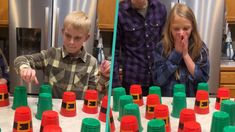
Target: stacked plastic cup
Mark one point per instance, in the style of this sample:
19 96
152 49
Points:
229 107
162 112
103 111
44 104
117 92
90 125
133 109
68 106
129 123
90 102
49 117
220 119
156 90
22 120
222 94
45 88
52 128
185 116
192 126
202 102
203 86
156 125
229 129
4 97
123 100
20 97
179 103
179 88
136 93
152 101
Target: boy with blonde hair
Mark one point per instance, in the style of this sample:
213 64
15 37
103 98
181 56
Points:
69 68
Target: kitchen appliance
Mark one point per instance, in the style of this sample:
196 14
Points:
210 17
35 25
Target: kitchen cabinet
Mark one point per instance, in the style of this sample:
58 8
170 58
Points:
106 13
230 16
3 13
227 78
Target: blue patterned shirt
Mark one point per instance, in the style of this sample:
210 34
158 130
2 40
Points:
136 38
165 68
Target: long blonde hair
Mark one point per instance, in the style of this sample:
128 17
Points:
168 41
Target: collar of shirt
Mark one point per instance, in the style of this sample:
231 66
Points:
82 55
127 4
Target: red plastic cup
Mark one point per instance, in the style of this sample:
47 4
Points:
136 93
22 120
222 94
4 97
161 111
192 126
185 116
49 117
68 106
52 128
129 123
90 102
103 111
152 101
202 102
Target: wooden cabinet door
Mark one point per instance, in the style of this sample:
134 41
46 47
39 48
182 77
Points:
106 13
230 8
3 13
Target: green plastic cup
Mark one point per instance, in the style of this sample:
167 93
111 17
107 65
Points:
123 100
229 129
117 92
179 103
44 103
203 86
45 88
133 109
220 119
179 88
156 125
229 107
156 90
90 125
20 97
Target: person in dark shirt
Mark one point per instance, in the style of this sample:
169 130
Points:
4 69
181 56
139 29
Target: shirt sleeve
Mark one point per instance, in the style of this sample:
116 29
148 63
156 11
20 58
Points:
35 61
4 69
164 67
202 67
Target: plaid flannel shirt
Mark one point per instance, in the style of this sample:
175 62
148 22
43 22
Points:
165 68
65 72
136 38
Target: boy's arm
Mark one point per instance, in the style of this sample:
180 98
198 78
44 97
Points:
34 61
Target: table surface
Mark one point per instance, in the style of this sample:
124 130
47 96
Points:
71 124
68 124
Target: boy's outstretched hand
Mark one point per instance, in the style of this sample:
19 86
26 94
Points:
29 75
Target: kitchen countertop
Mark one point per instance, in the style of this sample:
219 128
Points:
227 65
